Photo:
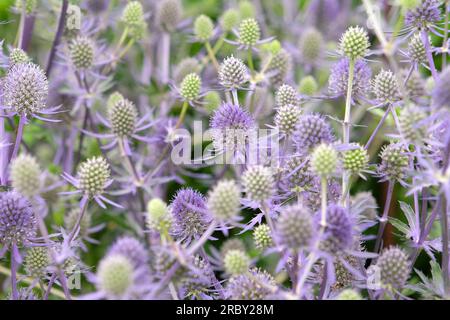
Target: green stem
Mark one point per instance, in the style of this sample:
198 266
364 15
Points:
211 55
250 60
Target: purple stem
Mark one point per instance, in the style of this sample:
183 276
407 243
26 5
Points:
165 57
380 124
19 134
384 218
426 44
58 35
83 206
28 31
14 267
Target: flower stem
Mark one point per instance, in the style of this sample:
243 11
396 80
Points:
14 267
379 125
346 127
83 206
165 57
19 134
445 246
182 114
58 35
128 162
211 55
201 241
427 45
384 218
235 97
250 60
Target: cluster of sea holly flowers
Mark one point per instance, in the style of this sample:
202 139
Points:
324 163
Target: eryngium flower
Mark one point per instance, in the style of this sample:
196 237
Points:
338 234
286 95
122 117
203 28
36 261
231 126
93 175
441 91
246 9
287 118
349 294
385 87
81 51
394 162
296 174
415 86
212 101
232 244
324 160
17 55
158 217
258 183
115 276
232 73
229 19
416 49
25 88
185 67
278 67
338 81
17 219
312 130
356 160
236 262
311 46
424 15
394 268
308 86
190 87
262 236
354 43
132 249
190 217
25 175
254 285
168 14
224 200
410 124
294 227
133 14
249 32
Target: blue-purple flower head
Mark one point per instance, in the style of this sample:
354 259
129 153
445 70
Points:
132 249
17 220
338 81
25 89
312 130
190 216
338 234
426 14
230 126
254 285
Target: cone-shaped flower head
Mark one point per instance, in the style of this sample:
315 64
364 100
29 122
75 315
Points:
294 227
25 175
190 217
385 87
254 285
394 162
416 49
311 46
190 87
324 160
355 160
17 219
36 261
185 67
232 73
122 115
312 130
258 183
236 262
132 249
203 28
286 95
158 217
115 276
354 43
279 67
249 32
308 86
17 55
410 124
212 101
229 19
133 14
93 175
262 236
424 15
394 268
81 51
287 118
168 14
232 244
224 200
25 88
338 230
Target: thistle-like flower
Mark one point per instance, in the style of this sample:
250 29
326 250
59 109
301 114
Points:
394 268
17 55
394 163
115 276
354 43
324 160
258 183
37 261
82 52
311 46
312 130
158 217
203 28
411 128
424 16
224 200
255 285
185 67
17 220
287 118
190 87
132 249
249 33
229 19
25 175
308 86
338 81
236 262
262 236
294 227
232 73
286 95
168 14
385 87
356 160
190 215
279 67
296 174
